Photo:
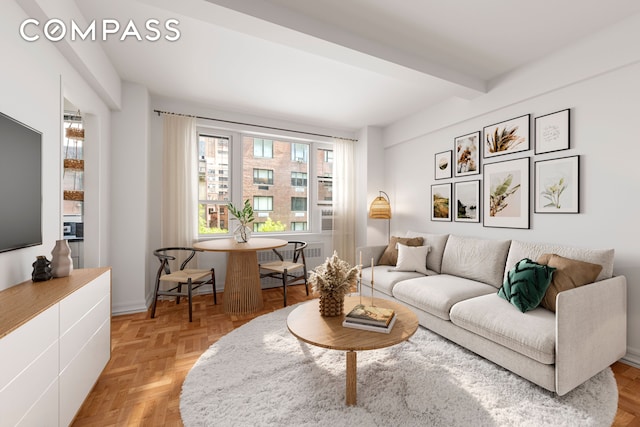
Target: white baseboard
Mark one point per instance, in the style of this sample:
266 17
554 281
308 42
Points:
117 310
632 357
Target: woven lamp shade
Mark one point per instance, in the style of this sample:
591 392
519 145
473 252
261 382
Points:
380 208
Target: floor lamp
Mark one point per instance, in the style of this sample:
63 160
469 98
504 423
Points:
381 209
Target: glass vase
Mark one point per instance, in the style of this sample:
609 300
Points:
242 233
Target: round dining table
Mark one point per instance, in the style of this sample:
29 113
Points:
242 290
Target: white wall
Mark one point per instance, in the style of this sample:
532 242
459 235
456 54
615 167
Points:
129 193
604 132
33 81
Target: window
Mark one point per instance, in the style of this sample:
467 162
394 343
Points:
327 155
299 152
213 183
324 167
298 226
280 177
299 204
262 203
262 148
263 176
298 179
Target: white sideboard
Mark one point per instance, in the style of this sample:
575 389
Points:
55 340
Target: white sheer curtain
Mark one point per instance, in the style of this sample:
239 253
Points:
179 181
344 206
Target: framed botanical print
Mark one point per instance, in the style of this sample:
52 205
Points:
441 202
443 165
467 149
557 188
552 132
467 201
510 136
506 194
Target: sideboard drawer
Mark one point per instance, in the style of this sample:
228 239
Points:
19 349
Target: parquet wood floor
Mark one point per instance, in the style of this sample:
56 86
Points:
150 359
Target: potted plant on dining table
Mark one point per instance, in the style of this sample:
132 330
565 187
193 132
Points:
242 232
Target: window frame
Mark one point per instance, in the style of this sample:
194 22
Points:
236 179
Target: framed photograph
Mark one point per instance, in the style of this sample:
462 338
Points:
557 185
467 201
467 149
552 132
443 165
506 137
441 202
506 194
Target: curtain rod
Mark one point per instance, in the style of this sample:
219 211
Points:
251 124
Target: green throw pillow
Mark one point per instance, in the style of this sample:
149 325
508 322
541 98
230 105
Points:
526 284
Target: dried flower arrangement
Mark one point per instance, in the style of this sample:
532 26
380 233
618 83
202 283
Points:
333 280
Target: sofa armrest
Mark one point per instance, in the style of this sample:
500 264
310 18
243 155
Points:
591 330
369 252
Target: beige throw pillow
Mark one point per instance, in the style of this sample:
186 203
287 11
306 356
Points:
569 274
390 254
412 258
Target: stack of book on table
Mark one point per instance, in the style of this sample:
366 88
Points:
370 318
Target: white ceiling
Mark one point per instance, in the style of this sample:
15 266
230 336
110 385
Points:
343 64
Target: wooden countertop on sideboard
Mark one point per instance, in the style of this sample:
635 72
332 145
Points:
23 302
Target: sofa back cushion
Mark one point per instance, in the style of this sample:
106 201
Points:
476 259
520 250
437 242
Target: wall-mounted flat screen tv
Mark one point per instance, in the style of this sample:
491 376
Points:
20 185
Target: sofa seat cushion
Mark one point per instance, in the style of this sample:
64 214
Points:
437 294
385 277
531 334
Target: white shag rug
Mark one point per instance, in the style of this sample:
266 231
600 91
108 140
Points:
261 375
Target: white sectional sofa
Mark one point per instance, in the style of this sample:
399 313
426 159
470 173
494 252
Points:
457 298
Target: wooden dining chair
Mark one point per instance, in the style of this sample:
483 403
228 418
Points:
289 272
191 278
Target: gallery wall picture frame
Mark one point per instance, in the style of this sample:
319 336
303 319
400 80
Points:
506 194
552 132
466 201
507 137
557 185
467 152
443 165
441 202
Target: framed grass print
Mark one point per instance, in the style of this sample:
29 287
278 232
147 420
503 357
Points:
467 201
506 137
467 149
557 188
552 132
443 165
506 194
441 202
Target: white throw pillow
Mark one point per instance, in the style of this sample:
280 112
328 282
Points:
412 258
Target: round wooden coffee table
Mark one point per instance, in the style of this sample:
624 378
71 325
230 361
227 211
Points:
306 324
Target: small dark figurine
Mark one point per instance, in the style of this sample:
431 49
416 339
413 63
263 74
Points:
41 269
